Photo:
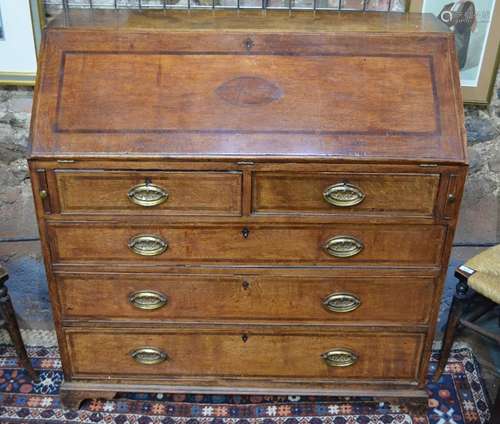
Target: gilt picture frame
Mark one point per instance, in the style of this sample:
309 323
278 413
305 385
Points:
476 24
21 24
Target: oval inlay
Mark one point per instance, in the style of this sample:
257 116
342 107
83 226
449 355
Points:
249 91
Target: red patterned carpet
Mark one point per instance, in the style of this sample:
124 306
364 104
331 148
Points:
458 398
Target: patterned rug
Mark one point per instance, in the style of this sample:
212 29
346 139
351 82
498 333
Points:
459 397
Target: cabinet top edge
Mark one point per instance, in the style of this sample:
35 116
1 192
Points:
275 21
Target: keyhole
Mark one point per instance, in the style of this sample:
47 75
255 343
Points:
245 232
244 337
148 180
246 285
248 43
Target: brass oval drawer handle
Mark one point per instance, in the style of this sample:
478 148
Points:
147 245
340 357
147 195
343 195
343 246
148 355
147 299
341 302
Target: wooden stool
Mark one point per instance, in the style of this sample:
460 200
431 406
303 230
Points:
9 322
482 274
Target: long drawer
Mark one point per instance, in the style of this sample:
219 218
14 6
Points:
344 193
149 192
386 300
294 244
252 352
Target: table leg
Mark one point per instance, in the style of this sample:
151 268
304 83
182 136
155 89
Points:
456 311
495 413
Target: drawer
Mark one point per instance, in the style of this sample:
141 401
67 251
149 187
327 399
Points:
144 192
385 300
334 193
244 353
300 244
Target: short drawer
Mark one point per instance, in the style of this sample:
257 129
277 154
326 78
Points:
384 300
168 193
300 244
252 352
334 193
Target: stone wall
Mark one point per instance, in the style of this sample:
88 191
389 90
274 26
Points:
480 214
16 207
19 246
20 251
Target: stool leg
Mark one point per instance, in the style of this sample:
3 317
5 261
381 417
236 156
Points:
495 414
456 311
9 316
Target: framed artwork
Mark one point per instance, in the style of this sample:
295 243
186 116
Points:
20 34
476 24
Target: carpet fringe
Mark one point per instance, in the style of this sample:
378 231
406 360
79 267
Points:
46 338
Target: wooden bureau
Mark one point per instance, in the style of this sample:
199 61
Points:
246 202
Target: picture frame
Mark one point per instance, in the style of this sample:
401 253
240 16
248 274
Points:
21 24
476 24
